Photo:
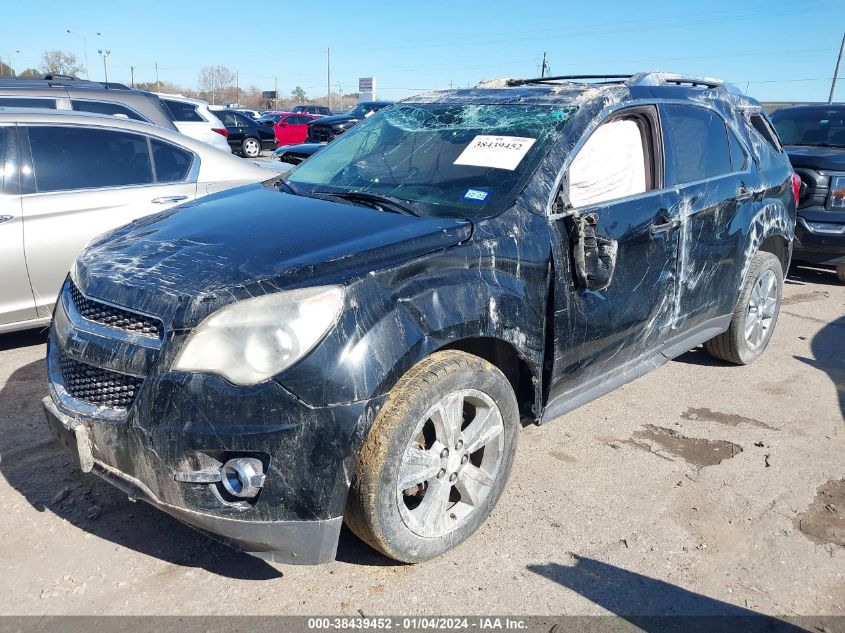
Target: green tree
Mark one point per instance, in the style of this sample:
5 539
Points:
298 94
6 70
60 63
31 73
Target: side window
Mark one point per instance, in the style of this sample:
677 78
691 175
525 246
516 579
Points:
172 163
24 102
298 120
66 158
229 119
611 164
103 107
183 112
2 157
697 146
765 130
739 160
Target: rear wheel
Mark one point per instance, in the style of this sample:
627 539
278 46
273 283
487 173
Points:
755 316
250 147
840 272
437 458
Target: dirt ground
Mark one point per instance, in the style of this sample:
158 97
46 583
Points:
701 488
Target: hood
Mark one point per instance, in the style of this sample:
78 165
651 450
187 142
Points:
819 158
183 264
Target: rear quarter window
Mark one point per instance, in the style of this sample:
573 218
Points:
172 163
104 107
183 112
766 132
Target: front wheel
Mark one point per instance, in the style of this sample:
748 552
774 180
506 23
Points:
437 458
250 147
755 316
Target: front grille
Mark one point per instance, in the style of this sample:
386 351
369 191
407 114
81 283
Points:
98 386
320 134
115 317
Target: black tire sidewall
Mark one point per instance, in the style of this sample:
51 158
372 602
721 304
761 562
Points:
768 262
408 545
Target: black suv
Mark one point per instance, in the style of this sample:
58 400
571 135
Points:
70 93
326 129
359 339
814 136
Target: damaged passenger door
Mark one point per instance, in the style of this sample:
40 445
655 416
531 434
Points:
616 234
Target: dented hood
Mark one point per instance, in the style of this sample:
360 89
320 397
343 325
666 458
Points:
183 264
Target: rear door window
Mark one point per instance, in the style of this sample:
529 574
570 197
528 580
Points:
104 107
697 146
172 163
183 112
68 158
229 119
27 102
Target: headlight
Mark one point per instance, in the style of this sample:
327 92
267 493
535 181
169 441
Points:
252 340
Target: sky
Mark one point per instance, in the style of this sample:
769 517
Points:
775 50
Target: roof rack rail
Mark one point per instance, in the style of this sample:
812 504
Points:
638 79
579 78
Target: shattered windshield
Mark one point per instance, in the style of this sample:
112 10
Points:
445 159
821 127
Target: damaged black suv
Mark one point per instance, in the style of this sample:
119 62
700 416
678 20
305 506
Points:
360 339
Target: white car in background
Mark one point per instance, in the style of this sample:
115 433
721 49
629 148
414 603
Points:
192 117
70 176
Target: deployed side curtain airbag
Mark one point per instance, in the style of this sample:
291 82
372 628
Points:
610 165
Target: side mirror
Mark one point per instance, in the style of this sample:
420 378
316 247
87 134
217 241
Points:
282 124
594 255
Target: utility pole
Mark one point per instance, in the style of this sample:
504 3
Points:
212 85
836 72
105 54
132 72
276 92
157 86
545 66
329 78
238 87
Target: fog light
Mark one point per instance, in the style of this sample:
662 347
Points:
243 477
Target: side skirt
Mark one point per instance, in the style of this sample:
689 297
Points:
580 394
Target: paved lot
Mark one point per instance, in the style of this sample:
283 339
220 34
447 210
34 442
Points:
684 492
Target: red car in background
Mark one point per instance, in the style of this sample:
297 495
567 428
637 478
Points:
292 127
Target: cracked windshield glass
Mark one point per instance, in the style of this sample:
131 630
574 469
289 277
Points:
440 159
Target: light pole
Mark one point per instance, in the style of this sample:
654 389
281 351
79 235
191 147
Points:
84 48
105 54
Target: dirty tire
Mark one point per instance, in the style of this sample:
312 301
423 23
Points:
732 345
840 272
373 508
251 147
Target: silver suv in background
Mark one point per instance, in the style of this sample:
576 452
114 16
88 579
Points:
69 93
69 177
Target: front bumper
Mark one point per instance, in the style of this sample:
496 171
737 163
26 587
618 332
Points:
301 542
178 423
816 246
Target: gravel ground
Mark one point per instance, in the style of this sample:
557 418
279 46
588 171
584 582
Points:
701 488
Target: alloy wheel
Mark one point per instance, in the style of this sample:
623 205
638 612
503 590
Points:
762 307
451 463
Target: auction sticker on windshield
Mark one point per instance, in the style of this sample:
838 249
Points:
499 152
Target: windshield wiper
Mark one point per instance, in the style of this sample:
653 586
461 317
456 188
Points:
378 200
284 184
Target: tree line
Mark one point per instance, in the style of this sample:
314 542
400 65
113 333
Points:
215 84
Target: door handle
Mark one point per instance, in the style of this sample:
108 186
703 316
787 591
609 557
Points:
6 218
169 199
664 223
744 193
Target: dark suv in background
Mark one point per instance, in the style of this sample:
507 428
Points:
312 109
359 341
814 136
70 93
